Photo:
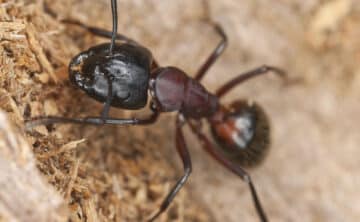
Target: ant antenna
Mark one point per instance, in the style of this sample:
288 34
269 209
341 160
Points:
115 24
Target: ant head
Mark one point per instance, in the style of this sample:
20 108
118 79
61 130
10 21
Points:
242 132
127 69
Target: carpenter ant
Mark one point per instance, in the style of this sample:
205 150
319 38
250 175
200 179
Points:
120 74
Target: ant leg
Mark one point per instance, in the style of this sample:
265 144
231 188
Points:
185 157
215 54
93 30
247 75
219 49
107 104
208 146
107 34
99 32
47 120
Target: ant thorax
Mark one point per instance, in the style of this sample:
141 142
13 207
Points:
174 90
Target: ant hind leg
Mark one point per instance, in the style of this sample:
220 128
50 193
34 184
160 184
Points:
209 147
185 157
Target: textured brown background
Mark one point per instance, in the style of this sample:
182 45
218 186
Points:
312 171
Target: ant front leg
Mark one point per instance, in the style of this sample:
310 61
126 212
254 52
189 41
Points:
113 35
107 104
99 32
185 157
102 120
209 147
104 33
47 120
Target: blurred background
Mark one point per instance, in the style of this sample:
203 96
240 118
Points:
311 173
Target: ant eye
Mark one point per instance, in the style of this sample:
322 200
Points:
243 134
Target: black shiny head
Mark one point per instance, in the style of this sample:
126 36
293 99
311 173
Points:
127 68
243 133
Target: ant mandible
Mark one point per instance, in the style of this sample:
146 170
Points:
120 74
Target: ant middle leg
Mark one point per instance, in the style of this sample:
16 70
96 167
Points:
219 49
185 157
248 75
236 169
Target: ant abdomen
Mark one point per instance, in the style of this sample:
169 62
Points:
243 133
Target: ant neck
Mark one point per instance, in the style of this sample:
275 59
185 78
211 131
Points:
219 114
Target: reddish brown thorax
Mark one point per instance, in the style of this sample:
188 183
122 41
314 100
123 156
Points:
175 91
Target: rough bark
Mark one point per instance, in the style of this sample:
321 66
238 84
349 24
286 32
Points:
25 195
